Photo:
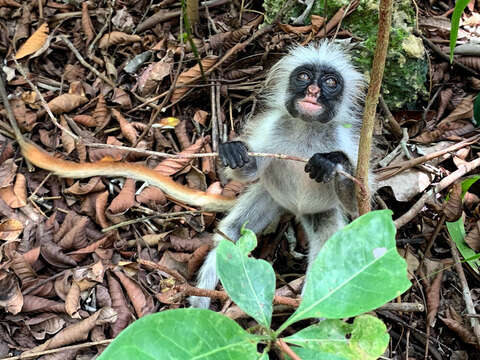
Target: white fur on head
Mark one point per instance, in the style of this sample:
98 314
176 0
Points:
326 53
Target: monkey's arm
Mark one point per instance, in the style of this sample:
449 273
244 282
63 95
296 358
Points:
323 168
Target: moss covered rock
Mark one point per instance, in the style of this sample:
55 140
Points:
406 66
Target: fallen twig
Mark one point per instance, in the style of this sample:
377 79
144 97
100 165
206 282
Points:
467 296
429 195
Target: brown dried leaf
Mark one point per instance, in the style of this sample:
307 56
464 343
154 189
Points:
208 163
100 114
94 184
200 117
453 207
7 173
444 98
72 233
181 132
142 301
10 229
11 3
25 117
127 129
100 208
23 270
456 326
241 73
433 299
472 62
176 261
463 111
85 120
11 299
317 23
151 195
109 154
87 23
34 42
290 29
169 167
121 98
78 331
125 198
117 38
74 73
8 195
197 260
33 303
72 301
54 255
67 141
66 103
473 237
119 304
190 74
153 76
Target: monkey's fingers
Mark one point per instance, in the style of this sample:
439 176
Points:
233 154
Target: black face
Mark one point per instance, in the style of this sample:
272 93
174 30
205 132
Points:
314 93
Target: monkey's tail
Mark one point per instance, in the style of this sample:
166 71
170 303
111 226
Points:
181 193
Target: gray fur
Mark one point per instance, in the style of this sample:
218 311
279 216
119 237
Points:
283 185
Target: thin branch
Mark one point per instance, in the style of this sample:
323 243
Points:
378 66
282 345
397 168
430 194
86 64
467 295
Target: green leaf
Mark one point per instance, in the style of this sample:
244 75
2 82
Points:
248 241
366 338
183 334
457 233
357 270
308 354
476 111
467 183
249 282
460 5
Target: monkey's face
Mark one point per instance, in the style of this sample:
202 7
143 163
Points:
314 93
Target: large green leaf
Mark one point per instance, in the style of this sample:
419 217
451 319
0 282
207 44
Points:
357 270
249 282
183 334
308 354
365 339
460 5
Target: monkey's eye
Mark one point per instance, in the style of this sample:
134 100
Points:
303 76
331 82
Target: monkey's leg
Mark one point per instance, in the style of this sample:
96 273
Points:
256 208
319 228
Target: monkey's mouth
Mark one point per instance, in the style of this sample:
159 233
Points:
309 105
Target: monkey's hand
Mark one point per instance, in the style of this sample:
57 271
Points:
323 166
233 154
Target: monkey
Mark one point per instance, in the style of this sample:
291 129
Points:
311 110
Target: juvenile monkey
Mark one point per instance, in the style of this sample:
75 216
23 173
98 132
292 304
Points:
311 111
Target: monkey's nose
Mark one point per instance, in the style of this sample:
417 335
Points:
313 90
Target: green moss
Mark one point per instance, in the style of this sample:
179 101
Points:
406 68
